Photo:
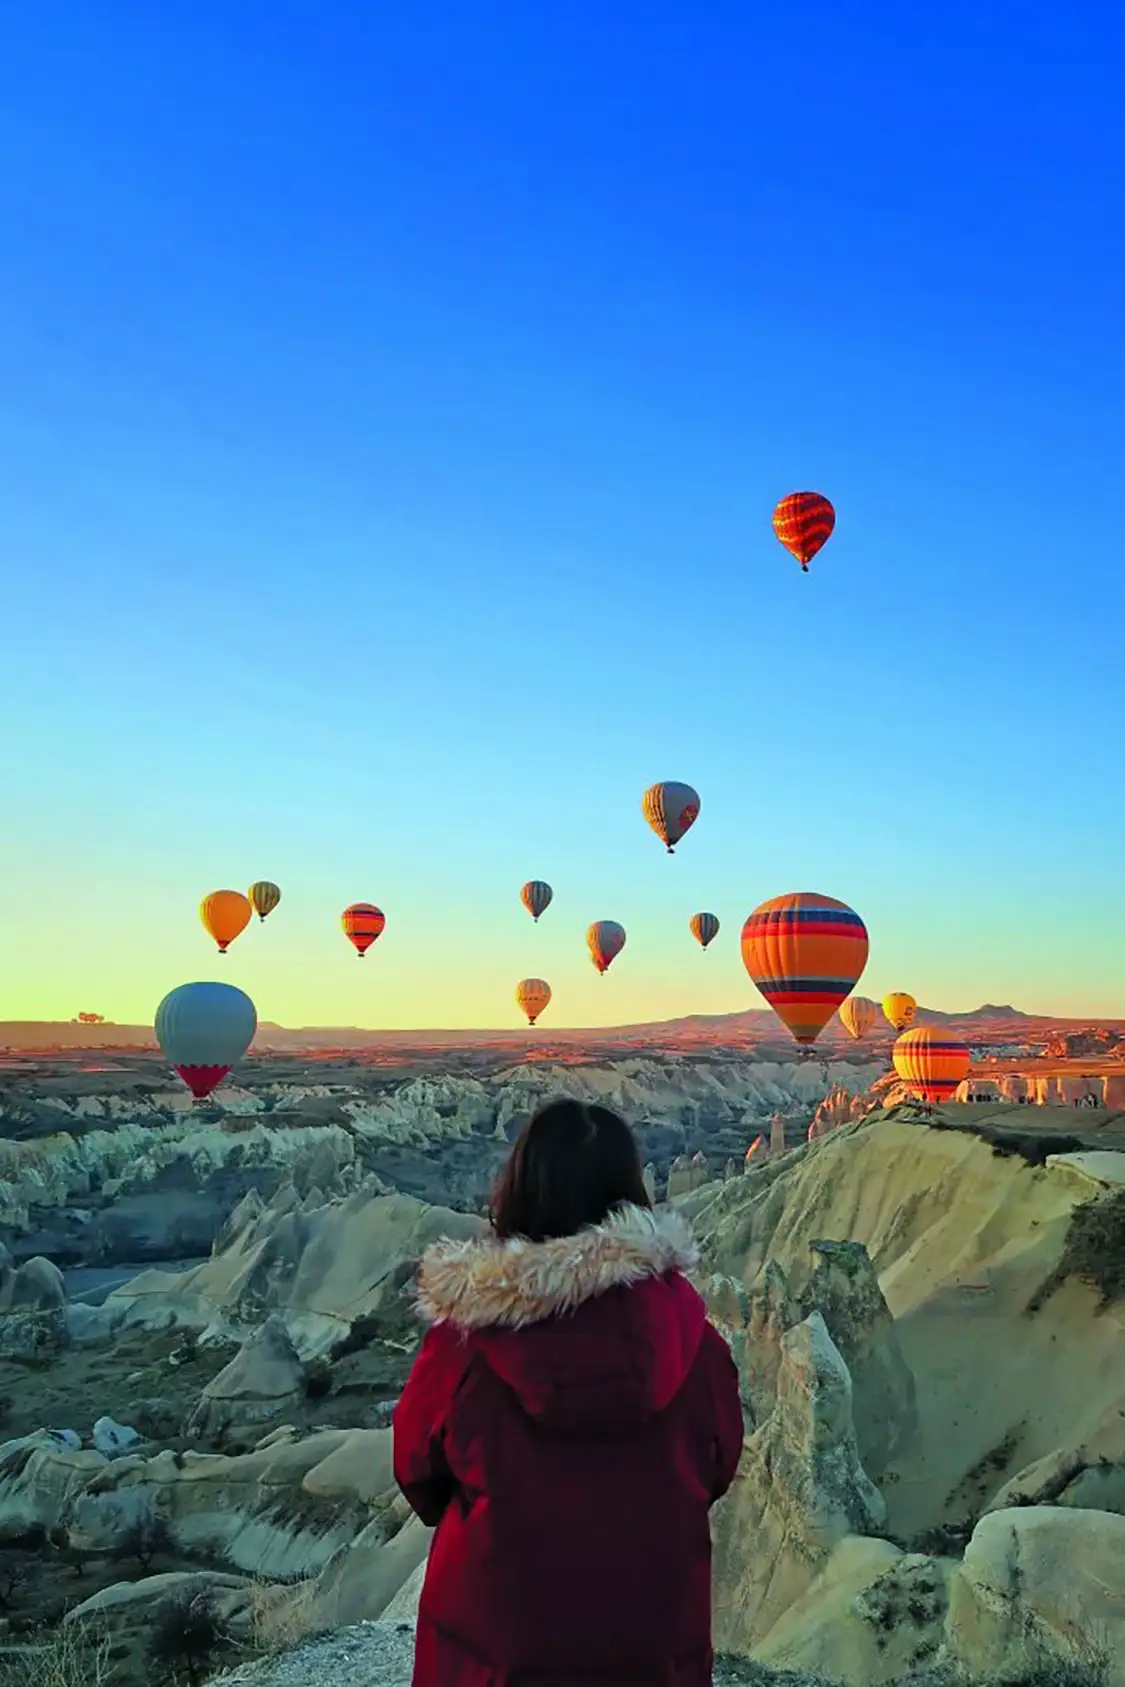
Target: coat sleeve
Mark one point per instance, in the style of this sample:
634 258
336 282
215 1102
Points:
729 1431
421 1423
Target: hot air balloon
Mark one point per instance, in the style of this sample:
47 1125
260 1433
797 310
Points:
857 1016
803 521
805 953
605 940
671 809
225 913
931 1063
704 928
899 1009
203 1029
264 897
362 924
532 996
536 897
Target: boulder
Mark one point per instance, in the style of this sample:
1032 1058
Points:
800 1490
1040 1583
33 1317
113 1438
264 1378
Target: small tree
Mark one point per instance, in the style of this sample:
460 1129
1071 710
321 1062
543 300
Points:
146 1539
186 1634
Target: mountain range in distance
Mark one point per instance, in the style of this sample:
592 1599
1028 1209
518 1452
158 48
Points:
990 1024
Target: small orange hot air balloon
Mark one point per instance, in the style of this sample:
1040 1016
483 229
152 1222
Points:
704 928
362 924
931 1063
605 940
805 953
532 996
224 914
803 522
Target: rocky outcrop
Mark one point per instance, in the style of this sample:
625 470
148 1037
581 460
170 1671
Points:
327 1272
770 1312
40 1478
800 1490
263 1380
845 1290
32 1309
280 1512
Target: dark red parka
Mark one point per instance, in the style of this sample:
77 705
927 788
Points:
570 1420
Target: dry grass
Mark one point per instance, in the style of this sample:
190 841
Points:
281 1616
69 1657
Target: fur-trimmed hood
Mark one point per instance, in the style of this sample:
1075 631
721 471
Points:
485 1284
549 1320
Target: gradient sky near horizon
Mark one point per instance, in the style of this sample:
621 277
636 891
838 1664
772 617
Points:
393 400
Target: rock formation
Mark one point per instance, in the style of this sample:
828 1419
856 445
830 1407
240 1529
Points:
800 1490
845 1290
262 1381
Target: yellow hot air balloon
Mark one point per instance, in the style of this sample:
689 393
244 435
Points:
532 996
899 1008
857 1016
264 897
931 1063
224 914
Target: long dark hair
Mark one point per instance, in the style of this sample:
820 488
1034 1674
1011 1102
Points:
572 1165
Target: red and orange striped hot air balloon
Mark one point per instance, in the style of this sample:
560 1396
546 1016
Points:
362 924
803 522
806 954
605 940
931 1063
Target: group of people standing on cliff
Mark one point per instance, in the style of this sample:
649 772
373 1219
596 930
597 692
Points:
569 1422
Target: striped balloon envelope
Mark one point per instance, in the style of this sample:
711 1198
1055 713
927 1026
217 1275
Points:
536 897
532 996
704 928
805 953
362 924
671 809
931 1063
803 522
605 940
857 1016
265 896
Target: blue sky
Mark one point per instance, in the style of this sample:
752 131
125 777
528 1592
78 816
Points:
392 406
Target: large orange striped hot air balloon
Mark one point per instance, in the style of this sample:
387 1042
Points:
532 996
857 1016
704 928
362 924
899 1009
803 522
536 897
931 1063
605 940
671 809
224 914
805 953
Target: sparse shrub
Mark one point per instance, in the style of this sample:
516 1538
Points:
146 1539
1094 1250
186 1634
66 1656
318 1380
